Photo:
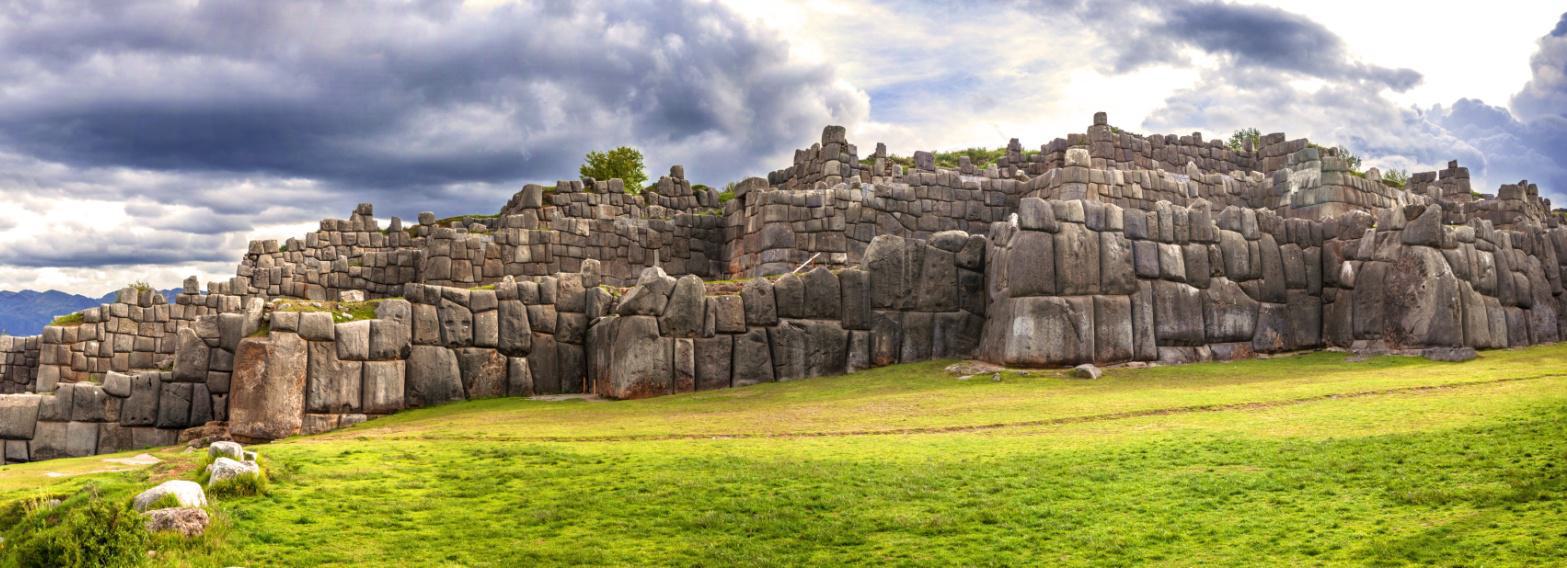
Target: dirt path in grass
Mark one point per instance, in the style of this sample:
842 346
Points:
1224 407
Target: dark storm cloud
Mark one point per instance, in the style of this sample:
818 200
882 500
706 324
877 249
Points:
82 247
212 117
1262 36
1244 36
387 100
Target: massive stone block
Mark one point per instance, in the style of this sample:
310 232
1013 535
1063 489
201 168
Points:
1031 267
641 361
1077 260
1424 308
383 387
333 384
1178 319
1229 314
714 360
433 377
682 316
267 397
1049 331
1113 334
483 372
18 415
760 306
753 361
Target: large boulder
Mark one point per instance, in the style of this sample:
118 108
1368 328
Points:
682 316
187 521
18 416
433 376
186 493
641 362
649 296
223 470
1049 331
1424 307
267 396
753 362
760 306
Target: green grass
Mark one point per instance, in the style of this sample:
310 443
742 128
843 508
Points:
68 320
341 311
1291 461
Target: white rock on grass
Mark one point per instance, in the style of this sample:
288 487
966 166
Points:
1086 371
224 469
231 450
187 493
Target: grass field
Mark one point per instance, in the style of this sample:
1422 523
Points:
1300 460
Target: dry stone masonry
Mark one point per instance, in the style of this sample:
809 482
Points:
1104 247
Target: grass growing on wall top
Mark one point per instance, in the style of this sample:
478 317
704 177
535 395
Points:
68 320
1291 461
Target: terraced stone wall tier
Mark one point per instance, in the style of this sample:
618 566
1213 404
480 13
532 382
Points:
18 363
771 231
1082 281
137 331
908 300
127 411
440 344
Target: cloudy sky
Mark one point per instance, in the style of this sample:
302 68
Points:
150 140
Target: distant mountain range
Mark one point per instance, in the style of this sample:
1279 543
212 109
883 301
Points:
28 311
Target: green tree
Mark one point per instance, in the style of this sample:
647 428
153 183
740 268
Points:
1350 159
1238 139
1396 178
624 163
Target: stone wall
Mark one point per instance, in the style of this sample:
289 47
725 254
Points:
137 331
908 300
1102 247
18 363
1084 281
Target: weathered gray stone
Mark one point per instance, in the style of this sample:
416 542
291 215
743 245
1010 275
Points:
1086 371
752 358
1424 307
519 377
649 296
483 372
174 406
18 415
1049 331
516 331
1230 315
141 407
353 340
316 326
186 493
642 361
543 363
117 384
823 296
760 306
1113 334
190 357
714 359
1178 319
728 313
1031 268
433 377
682 316
1116 273
1077 260
456 324
334 384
